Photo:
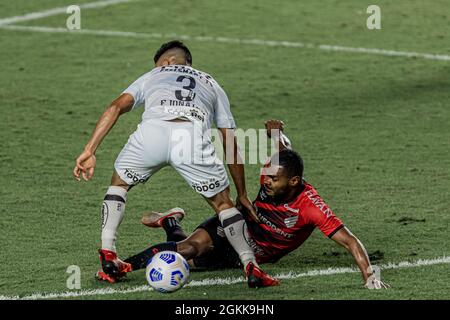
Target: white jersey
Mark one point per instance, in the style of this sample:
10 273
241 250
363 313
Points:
180 91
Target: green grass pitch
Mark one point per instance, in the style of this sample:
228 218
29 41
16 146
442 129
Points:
373 131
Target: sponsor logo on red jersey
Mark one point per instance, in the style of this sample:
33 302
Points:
285 226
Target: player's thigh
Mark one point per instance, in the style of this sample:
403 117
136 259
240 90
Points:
144 154
193 156
198 243
207 179
220 254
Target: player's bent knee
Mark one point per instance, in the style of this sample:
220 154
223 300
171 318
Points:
221 201
191 248
187 249
116 181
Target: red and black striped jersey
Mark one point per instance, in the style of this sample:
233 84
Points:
285 226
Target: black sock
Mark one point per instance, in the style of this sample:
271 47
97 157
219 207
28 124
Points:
173 230
140 260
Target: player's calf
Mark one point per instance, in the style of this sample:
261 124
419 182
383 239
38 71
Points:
113 210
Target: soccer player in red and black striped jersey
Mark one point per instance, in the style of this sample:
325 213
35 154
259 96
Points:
288 210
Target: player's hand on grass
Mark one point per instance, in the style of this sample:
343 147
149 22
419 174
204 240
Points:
373 283
244 205
85 164
273 125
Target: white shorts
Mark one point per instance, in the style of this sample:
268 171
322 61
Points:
158 143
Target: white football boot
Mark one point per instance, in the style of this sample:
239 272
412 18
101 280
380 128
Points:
154 219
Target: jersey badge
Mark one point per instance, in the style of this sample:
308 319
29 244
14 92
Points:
291 221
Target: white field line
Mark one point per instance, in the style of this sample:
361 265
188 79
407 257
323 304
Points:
56 11
83 31
269 43
226 281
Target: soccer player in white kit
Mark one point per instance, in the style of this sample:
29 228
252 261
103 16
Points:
181 104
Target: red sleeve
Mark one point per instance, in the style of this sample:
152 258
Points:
324 219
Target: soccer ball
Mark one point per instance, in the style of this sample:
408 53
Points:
167 271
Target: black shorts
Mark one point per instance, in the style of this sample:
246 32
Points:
222 255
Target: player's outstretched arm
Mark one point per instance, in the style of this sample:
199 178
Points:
346 239
275 130
85 163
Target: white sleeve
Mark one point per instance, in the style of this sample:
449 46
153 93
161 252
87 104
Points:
135 89
222 115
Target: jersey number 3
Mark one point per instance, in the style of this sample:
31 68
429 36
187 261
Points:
191 95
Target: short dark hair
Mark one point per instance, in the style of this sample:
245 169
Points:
173 44
292 163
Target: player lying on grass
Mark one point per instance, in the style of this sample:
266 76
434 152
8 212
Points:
289 209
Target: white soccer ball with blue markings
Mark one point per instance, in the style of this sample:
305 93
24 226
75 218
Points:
167 271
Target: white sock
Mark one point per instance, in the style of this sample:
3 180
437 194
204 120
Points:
234 225
112 214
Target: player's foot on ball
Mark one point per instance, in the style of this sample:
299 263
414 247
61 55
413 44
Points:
155 219
113 268
256 278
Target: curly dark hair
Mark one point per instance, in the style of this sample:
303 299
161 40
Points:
291 161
